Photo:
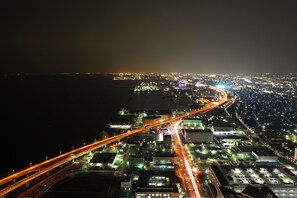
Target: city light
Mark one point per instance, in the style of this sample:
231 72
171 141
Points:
221 86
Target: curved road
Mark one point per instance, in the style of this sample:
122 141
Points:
27 175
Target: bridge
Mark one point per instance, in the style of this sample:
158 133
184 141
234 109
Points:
24 177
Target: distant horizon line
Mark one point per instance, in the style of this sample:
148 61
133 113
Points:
145 73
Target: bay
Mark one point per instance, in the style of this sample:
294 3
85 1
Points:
43 115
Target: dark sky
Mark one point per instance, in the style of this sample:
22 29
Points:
148 36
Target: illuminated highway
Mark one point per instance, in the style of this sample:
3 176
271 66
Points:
185 170
22 177
48 165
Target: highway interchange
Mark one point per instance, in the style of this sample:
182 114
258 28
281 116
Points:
18 179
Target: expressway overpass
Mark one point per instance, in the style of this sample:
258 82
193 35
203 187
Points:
24 177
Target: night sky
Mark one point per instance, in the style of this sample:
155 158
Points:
221 36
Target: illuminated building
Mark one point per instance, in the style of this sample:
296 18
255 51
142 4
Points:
103 159
122 122
136 161
229 141
259 153
126 183
159 136
192 123
182 84
280 180
165 158
197 135
156 184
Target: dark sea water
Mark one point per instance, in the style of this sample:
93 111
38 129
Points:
43 115
152 101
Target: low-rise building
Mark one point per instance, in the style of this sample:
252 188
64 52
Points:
224 128
156 184
122 122
192 123
229 141
126 183
103 159
136 161
197 135
164 158
259 153
280 180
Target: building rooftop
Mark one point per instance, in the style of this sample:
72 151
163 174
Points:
168 173
157 181
169 188
220 123
103 158
164 154
198 130
192 118
138 138
230 193
232 136
262 192
258 150
257 175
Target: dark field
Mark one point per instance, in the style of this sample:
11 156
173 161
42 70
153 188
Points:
87 186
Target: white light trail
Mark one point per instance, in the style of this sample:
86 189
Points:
188 167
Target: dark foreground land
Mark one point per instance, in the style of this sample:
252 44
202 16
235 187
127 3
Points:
87 185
